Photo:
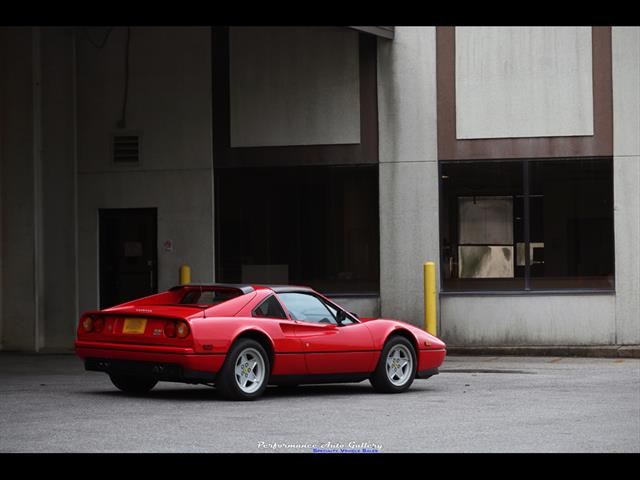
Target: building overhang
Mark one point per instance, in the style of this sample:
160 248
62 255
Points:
384 32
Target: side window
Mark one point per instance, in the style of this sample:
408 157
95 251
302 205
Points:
269 308
308 308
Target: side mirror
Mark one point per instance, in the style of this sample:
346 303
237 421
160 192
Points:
354 314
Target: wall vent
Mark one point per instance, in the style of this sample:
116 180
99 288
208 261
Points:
126 148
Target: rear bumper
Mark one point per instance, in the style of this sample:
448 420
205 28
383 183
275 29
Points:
162 363
161 371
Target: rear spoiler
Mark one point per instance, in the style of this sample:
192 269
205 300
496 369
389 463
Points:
244 288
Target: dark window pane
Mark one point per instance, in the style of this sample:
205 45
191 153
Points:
269 308
315 226
567 206
481 225
572 224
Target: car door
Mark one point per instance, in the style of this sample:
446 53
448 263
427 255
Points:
328 348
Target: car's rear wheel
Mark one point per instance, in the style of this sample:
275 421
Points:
132 384
245 373
396 368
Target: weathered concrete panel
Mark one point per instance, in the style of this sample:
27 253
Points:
408 172
362 306
407 96
523 82
408 236
625 46
626 180
294 86
528 320
408 169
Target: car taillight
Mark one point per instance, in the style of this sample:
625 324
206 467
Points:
182 330
170 329
87 324
174 329
98 325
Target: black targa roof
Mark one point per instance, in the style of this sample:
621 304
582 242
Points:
244 288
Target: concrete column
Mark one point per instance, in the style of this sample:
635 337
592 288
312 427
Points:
2 69
58 189
19 311
38 253
626 180
408 169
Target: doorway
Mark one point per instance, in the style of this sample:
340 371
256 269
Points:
128 254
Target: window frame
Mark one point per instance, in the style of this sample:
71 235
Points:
526 195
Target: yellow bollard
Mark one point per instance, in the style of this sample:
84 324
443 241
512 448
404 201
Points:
185 275
430 297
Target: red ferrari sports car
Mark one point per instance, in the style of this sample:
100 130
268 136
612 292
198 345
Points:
243 337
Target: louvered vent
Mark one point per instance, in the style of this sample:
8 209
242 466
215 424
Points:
126 148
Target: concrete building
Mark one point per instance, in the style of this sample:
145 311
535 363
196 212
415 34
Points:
338 157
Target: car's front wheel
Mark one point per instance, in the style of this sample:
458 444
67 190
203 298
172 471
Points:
132 384
396 368
245 373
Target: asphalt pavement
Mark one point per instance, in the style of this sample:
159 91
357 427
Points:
48 403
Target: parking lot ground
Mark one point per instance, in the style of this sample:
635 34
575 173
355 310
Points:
48 403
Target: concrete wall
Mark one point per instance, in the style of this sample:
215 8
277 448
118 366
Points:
626 180
523 82
293 86
362 306
170 103
408 169
528 320
575 319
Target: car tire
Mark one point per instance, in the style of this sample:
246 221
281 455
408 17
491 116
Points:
245 372
133 384
391 376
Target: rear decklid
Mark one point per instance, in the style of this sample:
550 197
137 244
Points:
185 312
144 325
159 319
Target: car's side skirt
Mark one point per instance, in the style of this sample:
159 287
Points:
318 378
